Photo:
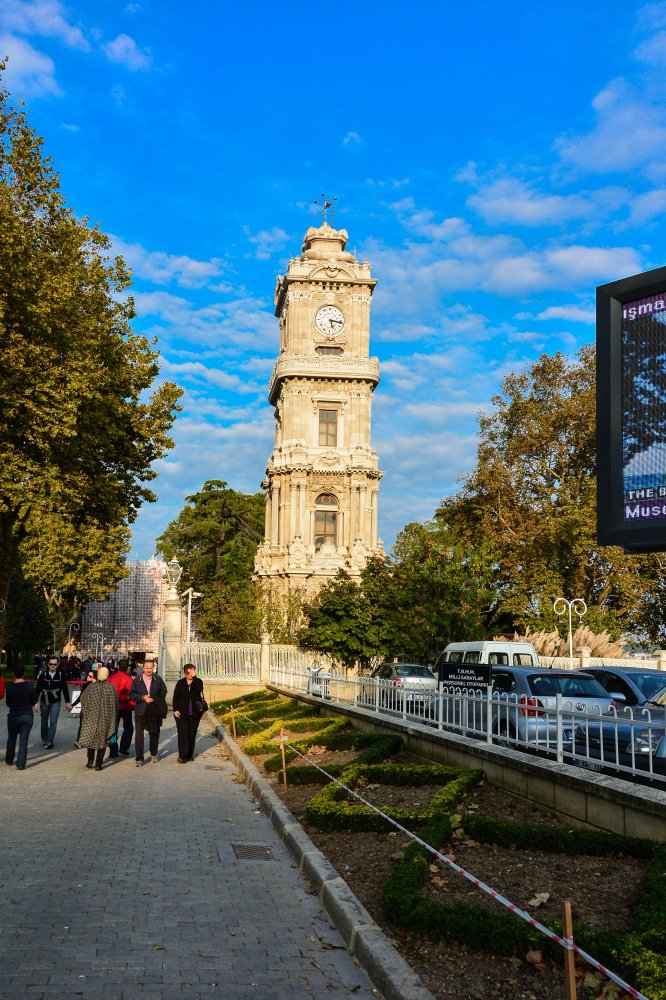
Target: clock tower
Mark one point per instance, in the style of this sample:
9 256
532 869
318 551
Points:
322 479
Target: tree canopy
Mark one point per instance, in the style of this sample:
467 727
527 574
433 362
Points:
81 417
532 498
215 538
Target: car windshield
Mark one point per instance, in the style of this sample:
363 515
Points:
659 697
568 685
648 684
409 670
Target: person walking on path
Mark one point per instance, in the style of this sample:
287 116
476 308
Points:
22 703
99 704
149 692
51 689
188 699
90 679
122 683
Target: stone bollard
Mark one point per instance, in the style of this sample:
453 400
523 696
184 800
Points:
584 657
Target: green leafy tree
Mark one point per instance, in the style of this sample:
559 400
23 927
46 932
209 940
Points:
80 421
29 627
71 565
215 538
441 588
347 621
532 499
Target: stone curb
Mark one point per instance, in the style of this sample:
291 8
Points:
385 966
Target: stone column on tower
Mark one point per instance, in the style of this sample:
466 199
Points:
322 477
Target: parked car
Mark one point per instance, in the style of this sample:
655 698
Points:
636 739
523 706
629 686
390 684
319 682
497 652
610 746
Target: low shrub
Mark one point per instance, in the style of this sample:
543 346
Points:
330 809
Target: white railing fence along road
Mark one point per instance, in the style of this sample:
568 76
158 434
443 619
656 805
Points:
629 743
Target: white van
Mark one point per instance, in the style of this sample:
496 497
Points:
497 652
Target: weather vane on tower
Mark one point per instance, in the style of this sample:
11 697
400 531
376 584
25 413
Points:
327 203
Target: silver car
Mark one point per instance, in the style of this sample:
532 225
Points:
523 706
392 685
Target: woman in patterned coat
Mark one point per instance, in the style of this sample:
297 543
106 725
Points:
99 705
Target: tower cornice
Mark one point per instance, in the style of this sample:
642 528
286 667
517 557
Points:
318 368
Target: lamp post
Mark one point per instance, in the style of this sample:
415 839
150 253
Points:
172 625
99 639
577 606
174 571
191 593
76 627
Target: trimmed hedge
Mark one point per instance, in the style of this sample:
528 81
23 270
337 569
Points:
638 957
557 840
263 742
377 748
331 810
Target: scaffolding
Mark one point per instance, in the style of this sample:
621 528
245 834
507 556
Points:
130 620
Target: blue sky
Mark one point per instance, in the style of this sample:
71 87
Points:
494 163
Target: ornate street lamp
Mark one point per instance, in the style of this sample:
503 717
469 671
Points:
76 627
174 571
577 606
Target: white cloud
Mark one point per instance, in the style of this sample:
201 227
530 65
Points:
203 374
352 139
573 314
29 72
509 199
164 268
628 134
70 127
647 206
41 17
439 413
241 323
268 241
125 51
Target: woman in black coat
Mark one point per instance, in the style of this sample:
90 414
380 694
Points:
187 695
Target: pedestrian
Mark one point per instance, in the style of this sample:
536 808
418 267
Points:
149 692
51 690
188 707
122 683
22 703
89 678
99 704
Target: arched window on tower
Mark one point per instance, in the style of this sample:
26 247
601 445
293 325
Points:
326 520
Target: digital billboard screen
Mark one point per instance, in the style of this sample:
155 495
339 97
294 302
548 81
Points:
631 412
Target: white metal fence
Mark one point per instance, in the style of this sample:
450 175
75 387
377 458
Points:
224 661
629 743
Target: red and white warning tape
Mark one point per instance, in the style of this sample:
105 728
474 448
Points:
565 942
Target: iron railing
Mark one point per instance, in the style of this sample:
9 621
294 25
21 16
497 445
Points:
629 743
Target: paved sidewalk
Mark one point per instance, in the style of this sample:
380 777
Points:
125 884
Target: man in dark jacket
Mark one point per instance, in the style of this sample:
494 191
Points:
149 692
51 689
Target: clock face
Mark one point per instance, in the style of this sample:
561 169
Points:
329 321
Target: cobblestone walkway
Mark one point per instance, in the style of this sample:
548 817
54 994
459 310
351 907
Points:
125 884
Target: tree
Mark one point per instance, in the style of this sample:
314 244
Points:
80 421
441 587
71 565
345 621
215 538
532 498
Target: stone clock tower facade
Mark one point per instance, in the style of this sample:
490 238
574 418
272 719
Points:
322 479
